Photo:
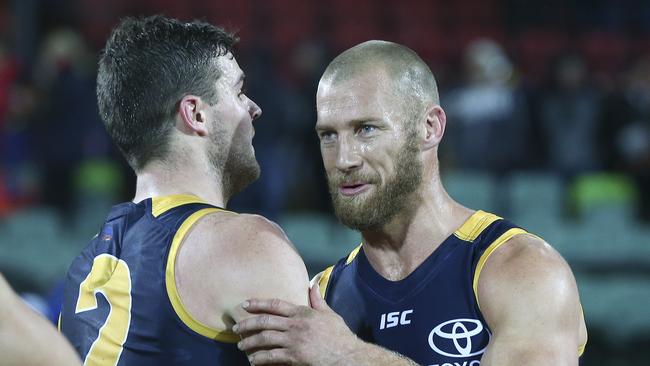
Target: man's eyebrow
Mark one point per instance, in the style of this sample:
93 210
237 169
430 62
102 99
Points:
321 126
362 120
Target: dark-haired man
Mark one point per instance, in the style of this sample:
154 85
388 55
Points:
433 281
161 282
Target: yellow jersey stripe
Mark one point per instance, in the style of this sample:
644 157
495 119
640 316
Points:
324 280
581 348
172 292
353 255
160 205
488 252
475 225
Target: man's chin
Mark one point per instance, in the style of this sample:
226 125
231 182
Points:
355 223
256 174
242 177
351 216
252 174
353 205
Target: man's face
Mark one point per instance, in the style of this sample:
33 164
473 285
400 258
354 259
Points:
369 148
231 151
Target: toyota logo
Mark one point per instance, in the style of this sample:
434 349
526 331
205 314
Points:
460 332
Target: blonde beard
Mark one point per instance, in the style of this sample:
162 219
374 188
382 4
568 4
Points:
378 208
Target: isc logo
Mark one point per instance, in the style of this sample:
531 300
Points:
389 320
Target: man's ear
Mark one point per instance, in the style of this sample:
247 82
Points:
192 115
435 123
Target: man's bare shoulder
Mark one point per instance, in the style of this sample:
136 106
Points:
9 301
22 331
525 266
244 234
6 296
239 256
526 289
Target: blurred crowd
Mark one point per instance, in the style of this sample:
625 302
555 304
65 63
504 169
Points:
559 87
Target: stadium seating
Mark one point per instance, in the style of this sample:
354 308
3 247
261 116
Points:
32 243
616 304
472 189
535 198
604 198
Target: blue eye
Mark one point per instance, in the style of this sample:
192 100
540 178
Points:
366 129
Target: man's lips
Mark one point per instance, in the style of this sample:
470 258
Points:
351 189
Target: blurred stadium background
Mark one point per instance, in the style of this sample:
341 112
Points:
549 126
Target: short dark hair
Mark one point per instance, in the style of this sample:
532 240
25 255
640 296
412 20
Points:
147 66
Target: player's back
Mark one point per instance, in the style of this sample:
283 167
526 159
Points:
121 306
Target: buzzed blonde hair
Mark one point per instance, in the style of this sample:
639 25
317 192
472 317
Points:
411 77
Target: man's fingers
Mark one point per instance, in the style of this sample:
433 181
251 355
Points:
315 299
270 306
261 322
266 339
271 357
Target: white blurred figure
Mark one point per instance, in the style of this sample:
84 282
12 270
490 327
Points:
488 113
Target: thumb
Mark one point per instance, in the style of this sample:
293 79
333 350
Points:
315 299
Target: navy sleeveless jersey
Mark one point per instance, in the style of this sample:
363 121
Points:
432 316
120 302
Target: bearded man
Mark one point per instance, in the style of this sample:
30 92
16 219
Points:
433 282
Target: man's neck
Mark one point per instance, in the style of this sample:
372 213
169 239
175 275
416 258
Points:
157 180
397 249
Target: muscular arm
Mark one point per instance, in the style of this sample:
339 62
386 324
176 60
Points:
28 339
228 258
529 298
367 354
271 268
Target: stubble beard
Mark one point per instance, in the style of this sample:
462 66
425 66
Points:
237 165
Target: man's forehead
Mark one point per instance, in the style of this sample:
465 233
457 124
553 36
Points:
338 101
228 66
348 106
354 92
